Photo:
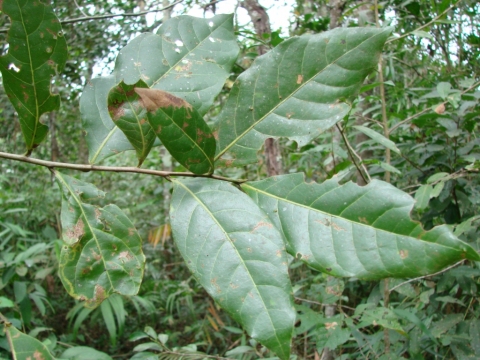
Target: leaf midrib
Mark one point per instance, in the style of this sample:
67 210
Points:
337 216
250 128
79 203
236 251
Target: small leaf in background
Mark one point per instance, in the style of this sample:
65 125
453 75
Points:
102 254
24 347
37 51
379 138
84 353
180 128
130 116
444 89
237 255
103 137
437 176
297 90
390 168
349 230
422 196
422 34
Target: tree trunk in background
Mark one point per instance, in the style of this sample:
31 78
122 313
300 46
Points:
363 12
261 23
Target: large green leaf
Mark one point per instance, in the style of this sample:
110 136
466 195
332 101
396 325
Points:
25 347
102 253
237 255
297 90
126 112
348 230
180 128
104 138
36 51
188 57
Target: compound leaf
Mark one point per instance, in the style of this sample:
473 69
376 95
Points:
102 253
237 255
36 51
296 90
348 230
104 138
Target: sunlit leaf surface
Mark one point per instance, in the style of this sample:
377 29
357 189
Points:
297 90
25 347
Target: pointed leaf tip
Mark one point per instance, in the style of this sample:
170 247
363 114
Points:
352 231
237 255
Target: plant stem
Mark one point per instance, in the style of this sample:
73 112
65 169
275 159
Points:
119 169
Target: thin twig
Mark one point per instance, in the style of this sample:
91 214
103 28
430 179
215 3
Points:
396 126
427 24
118 169
108 16
425 276
353 154
321 304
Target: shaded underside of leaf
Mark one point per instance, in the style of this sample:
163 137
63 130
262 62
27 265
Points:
104 138
37 50
102 253
295 90
237 255
25 347
131 118
188 57
348 230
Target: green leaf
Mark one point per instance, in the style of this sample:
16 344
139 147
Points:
24 347
84 353
37 50
102 254
422 196
128 114
348 230
296 90
379 138
180 128
237 255
188 57
104 138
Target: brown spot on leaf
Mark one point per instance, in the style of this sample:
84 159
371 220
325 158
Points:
261 224
299 79
440 109
336 227
77 231
363 220
403 254
37 355
99 293
95 255
289 115
131 231
125 255
278 253
331 325
154 99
